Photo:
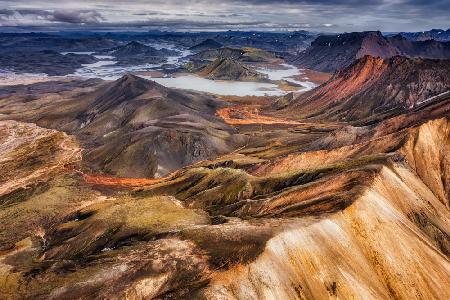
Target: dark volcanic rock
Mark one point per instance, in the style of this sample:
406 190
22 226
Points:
205 45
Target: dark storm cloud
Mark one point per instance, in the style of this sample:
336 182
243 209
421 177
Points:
64 16
77 17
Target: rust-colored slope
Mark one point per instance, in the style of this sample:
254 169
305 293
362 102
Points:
249 114
31 154
374 86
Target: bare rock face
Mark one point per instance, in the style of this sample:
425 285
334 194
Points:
372 86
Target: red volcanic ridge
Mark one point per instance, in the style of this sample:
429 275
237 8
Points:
373 85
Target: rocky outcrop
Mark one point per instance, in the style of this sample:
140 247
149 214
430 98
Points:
229 69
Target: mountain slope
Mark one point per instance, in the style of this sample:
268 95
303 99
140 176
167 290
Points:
372 86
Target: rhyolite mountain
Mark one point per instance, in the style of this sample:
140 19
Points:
373 86
331 52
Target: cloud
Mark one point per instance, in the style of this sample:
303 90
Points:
61 16
315 15
77 17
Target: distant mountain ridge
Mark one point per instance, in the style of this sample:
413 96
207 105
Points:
206 45
138 53
44 61
331 52
433 34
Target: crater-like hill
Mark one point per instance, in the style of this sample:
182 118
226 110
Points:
230 69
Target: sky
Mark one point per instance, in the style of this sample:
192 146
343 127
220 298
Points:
216 15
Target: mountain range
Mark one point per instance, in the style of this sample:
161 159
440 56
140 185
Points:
332 52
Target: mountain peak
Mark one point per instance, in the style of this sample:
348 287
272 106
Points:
206 44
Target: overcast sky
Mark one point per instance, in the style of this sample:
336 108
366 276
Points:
188 15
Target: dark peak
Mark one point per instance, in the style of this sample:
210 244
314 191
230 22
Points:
211 42
346 38
125 89
207 44
373 33
135 44
130 80
129 77
399 37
